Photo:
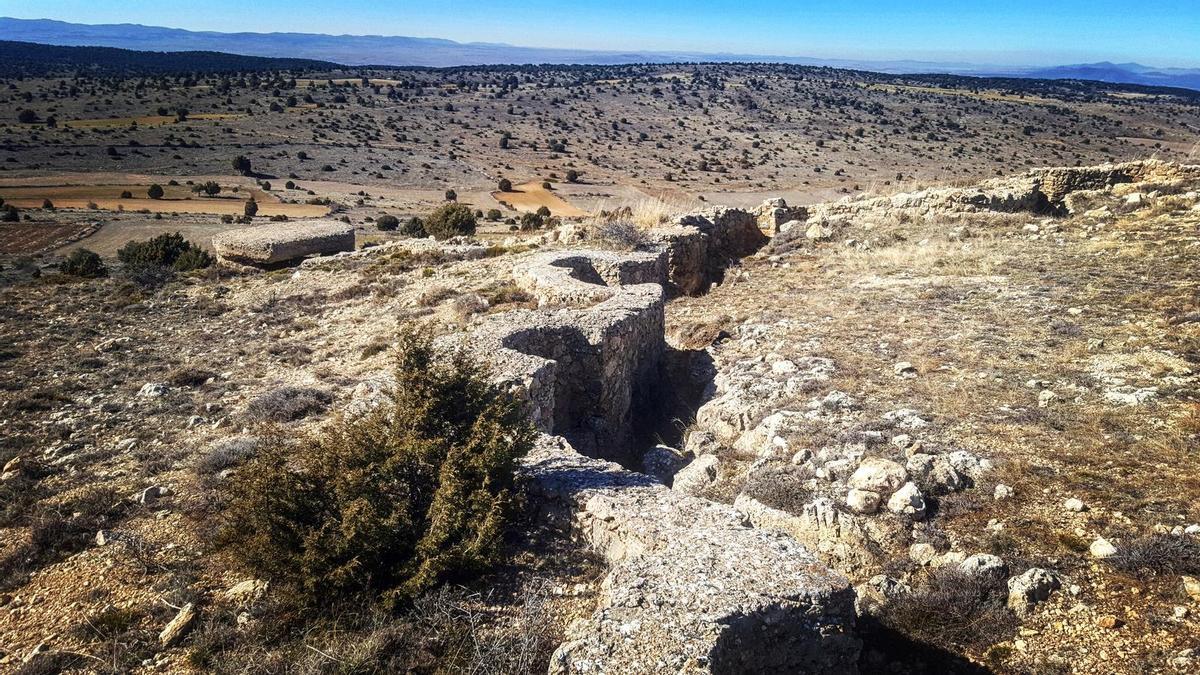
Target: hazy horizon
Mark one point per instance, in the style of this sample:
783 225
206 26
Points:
1019 33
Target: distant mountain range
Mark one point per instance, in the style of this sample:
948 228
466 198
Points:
1128 73
32 59
433 52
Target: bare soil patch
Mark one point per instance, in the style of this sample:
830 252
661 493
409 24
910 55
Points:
531 196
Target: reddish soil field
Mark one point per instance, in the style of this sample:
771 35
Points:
27 238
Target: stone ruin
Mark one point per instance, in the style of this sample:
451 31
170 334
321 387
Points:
696 586
1042 191
693 586
277 243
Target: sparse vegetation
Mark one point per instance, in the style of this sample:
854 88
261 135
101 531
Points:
288 404
414 492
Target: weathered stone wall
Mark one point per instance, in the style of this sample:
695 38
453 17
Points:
279 242
693 587
581 370
1038 191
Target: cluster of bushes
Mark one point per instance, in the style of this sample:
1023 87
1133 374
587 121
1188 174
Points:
536 220
166 252
414 492
83 263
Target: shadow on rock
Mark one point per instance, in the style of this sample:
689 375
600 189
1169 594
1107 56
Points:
782 639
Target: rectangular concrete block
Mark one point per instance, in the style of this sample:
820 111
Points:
272 243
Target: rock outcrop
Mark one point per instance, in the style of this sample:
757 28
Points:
1038 191
280 242
693 588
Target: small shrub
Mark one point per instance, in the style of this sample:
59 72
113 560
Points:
450 220
506 293
155 192
505 185
376 346
83 263
226 454
414 492
531 221
288 404
1158 554
414 227
621 234
387 223
188 377
953 610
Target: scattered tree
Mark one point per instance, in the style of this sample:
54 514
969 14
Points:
242 165
450 220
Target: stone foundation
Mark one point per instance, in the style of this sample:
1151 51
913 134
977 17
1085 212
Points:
280 242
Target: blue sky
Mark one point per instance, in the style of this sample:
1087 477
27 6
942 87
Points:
1012 32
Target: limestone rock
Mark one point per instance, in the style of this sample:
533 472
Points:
663 462
818 232
1191 586
246 593
280 242
905 418
1031 587
984 565
922 553
153 390
878 475
1102 548
874 596
696 476
908 501
692 588
178 627
862 501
